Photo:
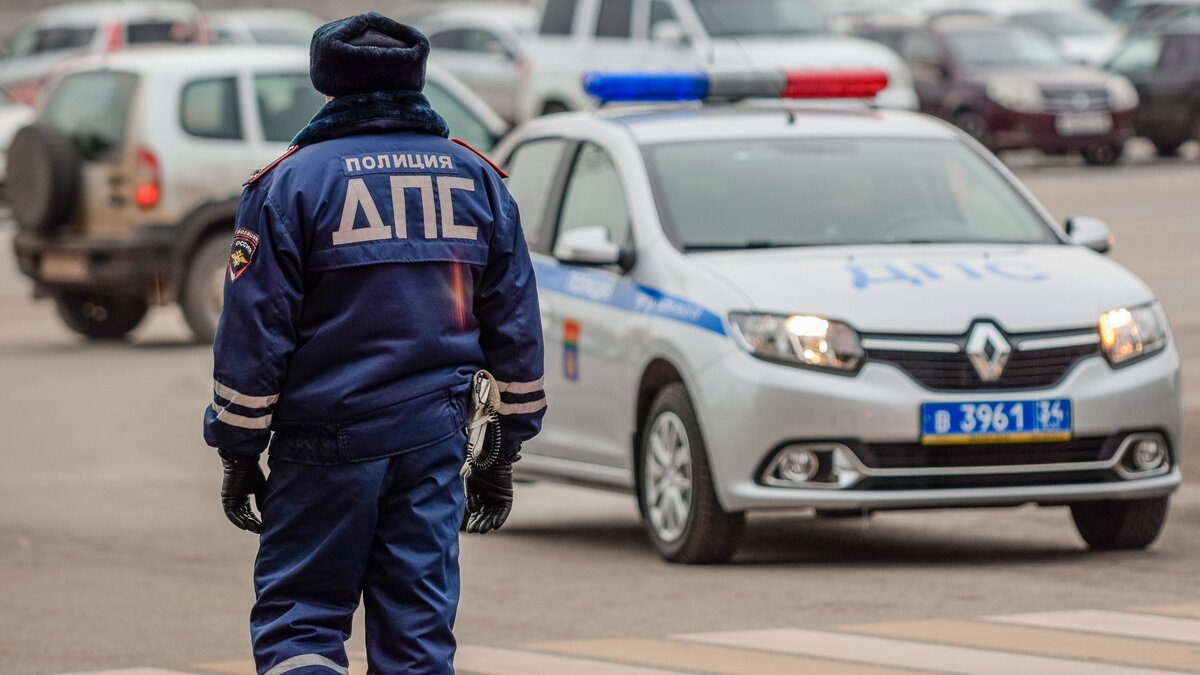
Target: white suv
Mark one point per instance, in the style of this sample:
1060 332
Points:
132 174
575 36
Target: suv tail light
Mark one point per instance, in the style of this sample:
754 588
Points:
26 92
147 183
114 36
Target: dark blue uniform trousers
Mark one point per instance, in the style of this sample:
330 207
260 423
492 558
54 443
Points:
385 530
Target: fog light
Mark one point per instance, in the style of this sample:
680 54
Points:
1149 454
799 466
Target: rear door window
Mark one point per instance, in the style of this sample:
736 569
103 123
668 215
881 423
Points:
51 39
615 19
210 109
558 17
92 109
286 102
533 168
151 32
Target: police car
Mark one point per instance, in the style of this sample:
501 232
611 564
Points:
801 304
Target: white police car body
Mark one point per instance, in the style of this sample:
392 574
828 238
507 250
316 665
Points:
777 306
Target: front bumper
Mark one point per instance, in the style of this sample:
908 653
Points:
749 409
141 263
1012 130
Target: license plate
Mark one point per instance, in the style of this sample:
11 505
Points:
996 422
1083 124
64 267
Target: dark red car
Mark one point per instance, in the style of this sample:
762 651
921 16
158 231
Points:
1011 88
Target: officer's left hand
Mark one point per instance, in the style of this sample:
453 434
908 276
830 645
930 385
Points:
489 498
243 477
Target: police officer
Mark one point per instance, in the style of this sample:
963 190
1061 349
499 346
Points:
374 269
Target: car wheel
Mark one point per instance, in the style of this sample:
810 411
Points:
44 175
1103 155
973 124
1166 148
204 288
1114 525
679 504
98 316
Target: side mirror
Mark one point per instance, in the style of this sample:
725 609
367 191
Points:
587 246
669 33
1091 232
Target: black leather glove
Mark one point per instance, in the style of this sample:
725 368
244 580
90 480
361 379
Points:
243 477
489 498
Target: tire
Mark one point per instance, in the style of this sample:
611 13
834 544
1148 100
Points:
1120 525
974 125
98 316
1103 155
44 176
1165 148
703 533
204 286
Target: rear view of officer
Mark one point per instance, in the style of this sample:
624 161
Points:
374 269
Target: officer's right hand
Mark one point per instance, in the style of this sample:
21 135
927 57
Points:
243 477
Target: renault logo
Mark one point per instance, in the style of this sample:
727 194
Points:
988 351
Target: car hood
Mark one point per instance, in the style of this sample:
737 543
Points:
933 288
1059 77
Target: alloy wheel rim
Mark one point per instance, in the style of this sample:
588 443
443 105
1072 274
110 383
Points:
668 477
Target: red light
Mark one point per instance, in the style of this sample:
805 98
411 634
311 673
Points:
147 186
834 83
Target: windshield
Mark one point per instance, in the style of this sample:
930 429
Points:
1075 23
1003 48
753 18
767 193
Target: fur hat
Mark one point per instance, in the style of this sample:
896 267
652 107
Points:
366 53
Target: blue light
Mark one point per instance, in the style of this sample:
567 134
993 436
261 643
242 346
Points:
646 86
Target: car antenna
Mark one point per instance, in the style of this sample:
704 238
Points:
764 80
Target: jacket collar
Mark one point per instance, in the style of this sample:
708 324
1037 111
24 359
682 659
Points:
373 113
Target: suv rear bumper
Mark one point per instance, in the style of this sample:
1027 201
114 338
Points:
140 264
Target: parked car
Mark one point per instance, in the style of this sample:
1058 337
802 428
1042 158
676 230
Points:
1010 88
1165 68
13 116
779 307
262 27
140 159
1148 16
486 48
578 35
35 48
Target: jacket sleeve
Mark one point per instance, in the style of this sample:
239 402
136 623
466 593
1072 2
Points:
256 334
510 331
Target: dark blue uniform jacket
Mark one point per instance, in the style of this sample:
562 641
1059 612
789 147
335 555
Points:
370 276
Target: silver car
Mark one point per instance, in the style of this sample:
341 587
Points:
762 307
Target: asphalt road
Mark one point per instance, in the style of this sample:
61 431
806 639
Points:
114 552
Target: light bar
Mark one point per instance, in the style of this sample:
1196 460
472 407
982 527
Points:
733 85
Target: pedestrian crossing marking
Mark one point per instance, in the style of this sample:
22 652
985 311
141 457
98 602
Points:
1042 641
1125 624
691 657
1185 611
904 654
494 661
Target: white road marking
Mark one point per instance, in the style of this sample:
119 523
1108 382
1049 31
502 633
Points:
1125 624
910 655
133 671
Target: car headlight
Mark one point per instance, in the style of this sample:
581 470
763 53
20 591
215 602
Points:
1127 335
1016 94
1122 95
800 340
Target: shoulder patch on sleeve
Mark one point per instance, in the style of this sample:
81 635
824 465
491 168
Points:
263 171
485 158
